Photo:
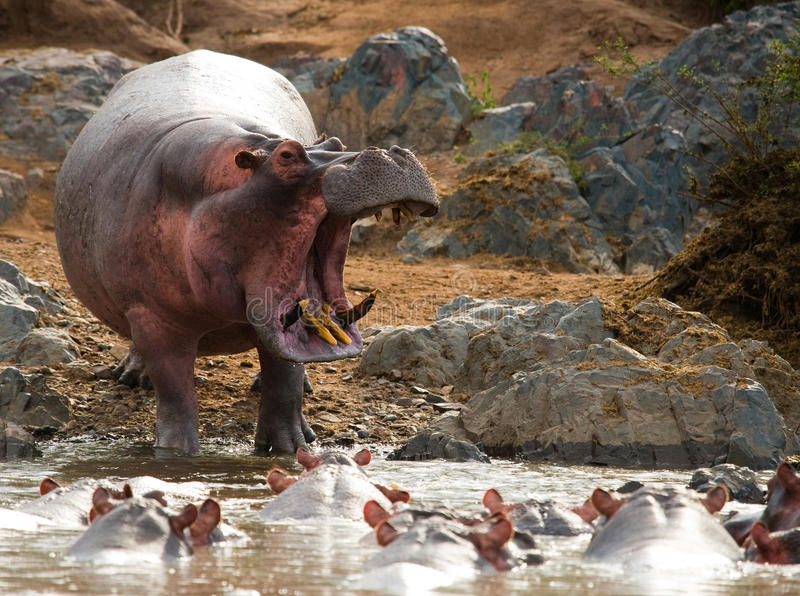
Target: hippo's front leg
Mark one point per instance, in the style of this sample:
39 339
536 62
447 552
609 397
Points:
169 356
281 425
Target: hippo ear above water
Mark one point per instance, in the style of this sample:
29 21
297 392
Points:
715 499
605 503
47 485
250 160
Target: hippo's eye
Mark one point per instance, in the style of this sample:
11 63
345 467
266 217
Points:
287 154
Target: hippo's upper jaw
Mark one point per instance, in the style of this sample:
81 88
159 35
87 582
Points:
313 321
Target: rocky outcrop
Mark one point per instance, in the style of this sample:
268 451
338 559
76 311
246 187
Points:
47 95
13 194
399 88
634 151
516 204
588 382
434 444
23 303
741 483
16 442
27 401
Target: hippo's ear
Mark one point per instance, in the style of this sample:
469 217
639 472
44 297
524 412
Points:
586 512
208 518
47 485
178 523
250 160
100 504
374 513
493 501
308 461
788 477
715 499
769 548
489 543
363 457
385 533
605 503
394 495
279 480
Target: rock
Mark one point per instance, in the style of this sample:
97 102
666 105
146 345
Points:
568 108
17 319
47 95
551 380
46 346
496 127
37 294
399 88
430 444
13 194
15 442
741 482
721 55
520 205
27 401
650 251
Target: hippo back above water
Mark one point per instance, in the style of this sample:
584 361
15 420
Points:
199 213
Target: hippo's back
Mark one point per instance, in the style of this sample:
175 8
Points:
158 127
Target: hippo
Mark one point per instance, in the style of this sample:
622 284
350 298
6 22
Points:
783 500
775 548
332 486
199 212
538 516
143 529
423 552
72 506
662 528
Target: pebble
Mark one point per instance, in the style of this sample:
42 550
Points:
405 401
446 389
331 369
432 398
101 371
362 434
347 377
390 418
329 418
447 407
395 374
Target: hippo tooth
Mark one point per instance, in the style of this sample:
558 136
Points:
351 315
331 325
396 215
378 215
289 318
407 212
315 324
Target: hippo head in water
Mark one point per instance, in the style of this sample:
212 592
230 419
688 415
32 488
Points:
299 308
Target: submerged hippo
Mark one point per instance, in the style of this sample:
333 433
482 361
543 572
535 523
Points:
333 485
142 528
662 528
198 212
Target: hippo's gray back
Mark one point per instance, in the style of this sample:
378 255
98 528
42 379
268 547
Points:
202 84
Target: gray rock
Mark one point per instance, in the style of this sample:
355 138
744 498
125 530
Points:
16 442
741 483
35 293
550 380
650 251
722 55
28 401
520 205
398 88
17 319
432 444
46 346
47 95
498 126
13 194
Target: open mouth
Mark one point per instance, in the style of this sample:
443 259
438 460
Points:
318 323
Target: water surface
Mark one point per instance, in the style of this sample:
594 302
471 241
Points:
326 558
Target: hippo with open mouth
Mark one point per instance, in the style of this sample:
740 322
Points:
199 213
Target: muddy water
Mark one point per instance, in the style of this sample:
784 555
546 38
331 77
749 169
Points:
325 558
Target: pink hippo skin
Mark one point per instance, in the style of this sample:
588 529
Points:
197 212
